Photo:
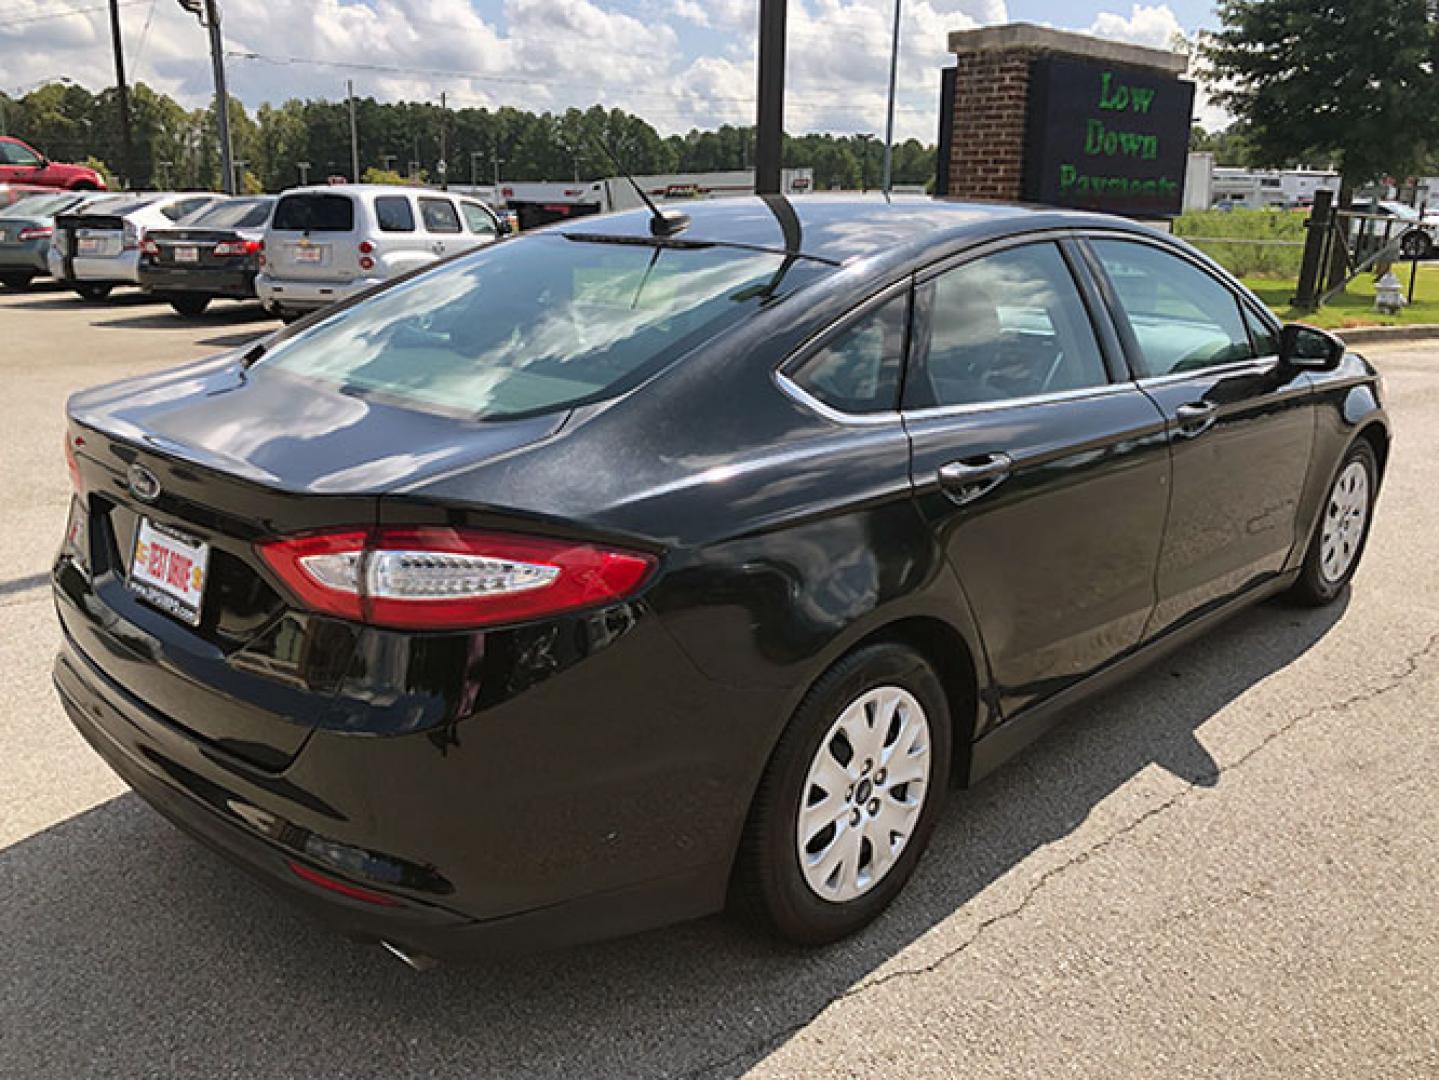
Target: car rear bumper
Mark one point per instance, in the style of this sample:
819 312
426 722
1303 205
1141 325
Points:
237 282
301 295
122 269
29 256
523 827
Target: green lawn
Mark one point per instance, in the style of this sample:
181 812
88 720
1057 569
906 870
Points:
1356 306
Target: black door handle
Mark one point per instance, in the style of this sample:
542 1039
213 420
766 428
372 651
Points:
1196 418
974 477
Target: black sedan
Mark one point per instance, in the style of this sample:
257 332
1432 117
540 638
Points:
212 255
627 570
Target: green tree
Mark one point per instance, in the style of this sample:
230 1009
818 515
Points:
1352 81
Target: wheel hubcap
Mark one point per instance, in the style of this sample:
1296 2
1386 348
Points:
863 794
1344 520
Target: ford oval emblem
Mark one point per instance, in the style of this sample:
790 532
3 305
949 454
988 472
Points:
143 483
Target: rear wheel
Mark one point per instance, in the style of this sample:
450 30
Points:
190 304
90 291
1343 528
849 798
1416 245
16 279
289 315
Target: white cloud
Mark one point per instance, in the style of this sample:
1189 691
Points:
1156 27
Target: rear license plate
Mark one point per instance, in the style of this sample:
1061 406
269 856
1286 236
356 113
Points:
90 245
187 254
309 254
168 570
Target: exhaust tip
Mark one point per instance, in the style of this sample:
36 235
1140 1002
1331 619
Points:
413 960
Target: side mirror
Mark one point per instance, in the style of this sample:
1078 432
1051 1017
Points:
1302 346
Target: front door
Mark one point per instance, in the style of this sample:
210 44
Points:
1042 469
1241 425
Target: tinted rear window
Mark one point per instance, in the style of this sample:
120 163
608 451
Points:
535 325
234 214
315 213
394 213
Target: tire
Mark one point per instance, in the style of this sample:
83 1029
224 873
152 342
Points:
1416 245
805 880
19 280
289 315
94 292
1342 530
190 304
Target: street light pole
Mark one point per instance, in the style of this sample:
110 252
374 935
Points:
889 120
354 135
208 12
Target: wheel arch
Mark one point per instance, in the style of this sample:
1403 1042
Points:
1377 435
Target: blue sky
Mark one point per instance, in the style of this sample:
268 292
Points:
678 63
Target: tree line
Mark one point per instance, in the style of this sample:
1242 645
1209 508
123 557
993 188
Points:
278 146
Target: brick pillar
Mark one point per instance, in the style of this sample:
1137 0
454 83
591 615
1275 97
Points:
991 92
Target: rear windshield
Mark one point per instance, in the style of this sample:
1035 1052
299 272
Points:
315 213
39 205
234 214
117 209
536 324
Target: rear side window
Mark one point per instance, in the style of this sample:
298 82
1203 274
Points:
394 213
439 216
858 371
478 219
315 212
1006 326
1183 319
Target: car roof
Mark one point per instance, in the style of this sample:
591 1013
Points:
842 228
371 189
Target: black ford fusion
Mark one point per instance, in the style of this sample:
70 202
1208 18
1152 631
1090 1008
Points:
625 571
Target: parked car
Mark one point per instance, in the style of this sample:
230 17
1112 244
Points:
25 230
327 243
215 253
1415 233
94 252
603 575
21 163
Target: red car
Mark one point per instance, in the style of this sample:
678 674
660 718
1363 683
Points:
21 163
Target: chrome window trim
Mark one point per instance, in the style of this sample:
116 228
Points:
1259 365
804 398
1054 397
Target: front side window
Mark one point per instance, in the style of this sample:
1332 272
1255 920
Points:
537 325
439 216
1006 326
19 155
394 213
1183 319
478 219
858 370
1266 340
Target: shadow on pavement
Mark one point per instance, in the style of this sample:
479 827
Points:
63 299
130 950
217 316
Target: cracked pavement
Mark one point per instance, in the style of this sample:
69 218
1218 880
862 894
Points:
1226 867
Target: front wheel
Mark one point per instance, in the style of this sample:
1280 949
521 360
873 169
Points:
190 304
1343 528
849 798
93 292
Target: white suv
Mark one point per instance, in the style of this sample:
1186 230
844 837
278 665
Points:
324 244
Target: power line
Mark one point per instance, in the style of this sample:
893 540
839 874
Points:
68 12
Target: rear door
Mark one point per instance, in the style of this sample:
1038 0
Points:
1042 469
1241 425
313 237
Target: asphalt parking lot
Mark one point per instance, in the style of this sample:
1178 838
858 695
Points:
1228 867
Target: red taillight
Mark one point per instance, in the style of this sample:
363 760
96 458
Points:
366 247
36 232
150 248
72 466
441 578
228 248
366 263
344 888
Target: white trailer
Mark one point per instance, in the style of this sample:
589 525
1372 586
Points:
541 202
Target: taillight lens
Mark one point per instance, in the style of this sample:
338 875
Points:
366 263
150 248
227 248
441 578
36 232
366 247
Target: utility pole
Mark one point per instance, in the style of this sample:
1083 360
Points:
208 12
769 114
127 161
354 135
443 164
889 119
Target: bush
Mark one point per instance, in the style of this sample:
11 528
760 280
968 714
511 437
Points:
1274 239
